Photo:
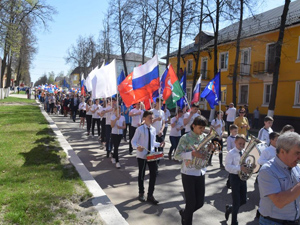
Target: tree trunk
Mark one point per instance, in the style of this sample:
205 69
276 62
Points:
169 33
237 53
155 28
199 47
8 76
180 37
121 40
278 47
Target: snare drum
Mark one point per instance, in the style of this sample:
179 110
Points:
155 156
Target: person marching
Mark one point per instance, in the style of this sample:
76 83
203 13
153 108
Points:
238 186
88 115
96 110
264 132
117 125
192 173
144 141
242 123
175 132
136 114
189 117
82 112
219 125
269 152
279 183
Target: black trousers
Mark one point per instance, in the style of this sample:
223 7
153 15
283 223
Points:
98 126
194 191
125 130
51 105
152 169
107 137
131 134
88 122
116 140
239 195
103 122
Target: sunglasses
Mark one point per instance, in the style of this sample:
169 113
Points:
242 112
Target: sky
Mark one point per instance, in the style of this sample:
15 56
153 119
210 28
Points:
75 18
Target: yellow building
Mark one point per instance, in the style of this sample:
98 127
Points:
75 77
256 65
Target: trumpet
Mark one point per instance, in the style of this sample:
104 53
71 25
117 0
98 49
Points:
247 160
202 148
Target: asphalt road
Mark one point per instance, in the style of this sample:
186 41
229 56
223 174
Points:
121 186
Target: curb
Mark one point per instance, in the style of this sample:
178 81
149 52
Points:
107 211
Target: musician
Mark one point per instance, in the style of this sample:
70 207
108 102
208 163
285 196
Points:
192 174
279 183
144 141
238 186
269 152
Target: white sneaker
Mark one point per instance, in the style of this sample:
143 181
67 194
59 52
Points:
113 160
118 165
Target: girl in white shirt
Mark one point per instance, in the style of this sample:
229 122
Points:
175 132
219 125
82 112
117 125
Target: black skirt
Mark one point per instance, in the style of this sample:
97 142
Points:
82 113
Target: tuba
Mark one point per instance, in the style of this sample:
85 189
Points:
199 163
248 160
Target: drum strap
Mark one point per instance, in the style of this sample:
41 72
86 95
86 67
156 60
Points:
149 140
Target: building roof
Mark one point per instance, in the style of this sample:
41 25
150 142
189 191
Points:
259 24
77 70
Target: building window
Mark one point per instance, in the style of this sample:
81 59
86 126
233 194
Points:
297 94
189 94
298 54
203 70
223 94
223 61
202 99
190 66
244 92
267 94
75 77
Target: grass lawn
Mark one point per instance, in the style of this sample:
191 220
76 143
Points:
37 183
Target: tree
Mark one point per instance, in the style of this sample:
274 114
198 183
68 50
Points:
278 47
81 54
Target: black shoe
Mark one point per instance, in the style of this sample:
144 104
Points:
152 200
222 167
181 211
209 164
228 184
228 211
170 156
141 198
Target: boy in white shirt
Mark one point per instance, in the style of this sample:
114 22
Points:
144 141
136 114
269 152
264 132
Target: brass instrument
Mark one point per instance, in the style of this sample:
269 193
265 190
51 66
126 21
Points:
248 160
202 148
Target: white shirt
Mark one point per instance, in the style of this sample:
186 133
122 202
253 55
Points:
82 106
264 133
136 119
119 122
158 124
95 115
232 161
89 112
267 154
167 115
108 114
188 125
179 123
140 138
231 114
230 143
217 122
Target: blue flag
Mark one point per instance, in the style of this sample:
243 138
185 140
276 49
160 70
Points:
212 91
120 78
181 103
65 84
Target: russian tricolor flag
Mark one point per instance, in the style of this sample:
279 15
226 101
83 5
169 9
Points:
147 75
196 92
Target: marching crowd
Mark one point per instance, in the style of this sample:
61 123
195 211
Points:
278 177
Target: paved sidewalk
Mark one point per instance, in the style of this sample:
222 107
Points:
121 187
